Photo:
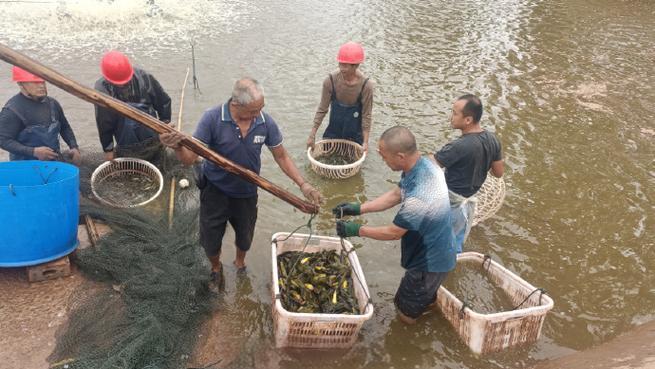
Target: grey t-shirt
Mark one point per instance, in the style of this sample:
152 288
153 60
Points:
467 161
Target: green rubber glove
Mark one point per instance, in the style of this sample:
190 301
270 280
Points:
347 229
347 208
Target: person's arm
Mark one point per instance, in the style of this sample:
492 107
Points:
367 112
382 233
285 163
106 121
10 127
66 131
498 168
161 100
173 140
321 111
384 202
497 164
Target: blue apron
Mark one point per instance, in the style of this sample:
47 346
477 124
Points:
40 134
132 133
345 120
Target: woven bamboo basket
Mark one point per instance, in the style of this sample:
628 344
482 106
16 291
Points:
124 167
489 199
352 150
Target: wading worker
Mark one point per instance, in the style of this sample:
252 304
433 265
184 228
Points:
467 160
31 123
422 223
142 91
236 130
349 96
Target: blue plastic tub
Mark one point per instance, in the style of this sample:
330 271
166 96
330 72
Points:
39 211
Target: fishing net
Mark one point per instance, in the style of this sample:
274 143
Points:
489 199
150 287
328 158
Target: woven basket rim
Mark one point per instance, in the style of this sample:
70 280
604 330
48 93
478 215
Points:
94 179
336 167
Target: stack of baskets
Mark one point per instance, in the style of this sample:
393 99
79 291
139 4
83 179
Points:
344 148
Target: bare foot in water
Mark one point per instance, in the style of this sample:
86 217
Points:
241 266
240 261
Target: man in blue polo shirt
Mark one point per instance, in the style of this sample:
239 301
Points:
236 130
422 223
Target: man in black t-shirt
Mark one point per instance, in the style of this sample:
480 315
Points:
467 160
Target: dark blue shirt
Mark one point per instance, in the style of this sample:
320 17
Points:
21 112
428 245
220 133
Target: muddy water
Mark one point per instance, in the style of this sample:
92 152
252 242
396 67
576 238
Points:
568 88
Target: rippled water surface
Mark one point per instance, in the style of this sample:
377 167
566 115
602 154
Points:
567 87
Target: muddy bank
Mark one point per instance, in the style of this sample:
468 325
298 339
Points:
635 349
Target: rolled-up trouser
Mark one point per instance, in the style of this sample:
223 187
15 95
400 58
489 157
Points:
216 210
417 291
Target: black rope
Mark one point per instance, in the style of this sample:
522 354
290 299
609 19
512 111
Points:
543 291
311 234
487 259
196 85
464 306
361 284
44 179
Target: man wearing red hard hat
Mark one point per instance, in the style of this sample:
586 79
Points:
31 123
121 136
348 94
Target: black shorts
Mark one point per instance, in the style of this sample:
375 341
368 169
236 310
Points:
216 209
417 291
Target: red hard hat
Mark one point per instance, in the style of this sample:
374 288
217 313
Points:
116 68
21 75
351 53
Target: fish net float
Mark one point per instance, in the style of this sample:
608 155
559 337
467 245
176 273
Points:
350 151
488 199
122 171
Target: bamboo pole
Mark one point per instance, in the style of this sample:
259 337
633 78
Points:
91 230
171 199
85 93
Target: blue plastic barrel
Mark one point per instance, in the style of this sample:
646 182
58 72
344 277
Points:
39 211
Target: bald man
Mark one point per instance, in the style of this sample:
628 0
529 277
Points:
422 223
236 130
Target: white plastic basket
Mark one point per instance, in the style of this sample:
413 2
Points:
486 333
126 167
489 199
347 148
317 330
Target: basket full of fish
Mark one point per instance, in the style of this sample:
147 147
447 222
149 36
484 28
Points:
336 158
321 299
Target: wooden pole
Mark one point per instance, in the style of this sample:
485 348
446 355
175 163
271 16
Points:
13 57
171 199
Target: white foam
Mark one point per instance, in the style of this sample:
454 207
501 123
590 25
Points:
97 25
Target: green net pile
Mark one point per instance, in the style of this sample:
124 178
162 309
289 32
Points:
149 288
